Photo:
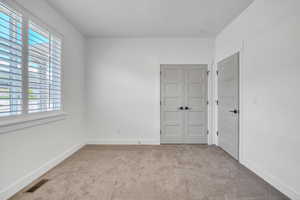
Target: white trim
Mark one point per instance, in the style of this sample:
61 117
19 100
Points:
25 64
210 104
123 142
214 106
14 123
241 103
62 61
272 180
30 177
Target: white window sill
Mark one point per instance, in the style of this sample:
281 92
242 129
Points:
20 122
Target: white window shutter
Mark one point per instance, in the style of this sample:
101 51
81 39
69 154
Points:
38 69
10 61
44 76
30 65
55 74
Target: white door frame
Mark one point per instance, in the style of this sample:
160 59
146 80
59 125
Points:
210 97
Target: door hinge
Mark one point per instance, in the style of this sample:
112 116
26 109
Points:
207 132
207 102
208 72
160 132
217 72
217 133
160 102
217 102
161 73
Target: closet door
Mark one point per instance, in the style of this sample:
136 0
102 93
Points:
195 104
184 104
172 102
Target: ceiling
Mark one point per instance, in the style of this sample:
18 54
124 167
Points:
150 18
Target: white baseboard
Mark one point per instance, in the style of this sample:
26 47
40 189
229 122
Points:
29 178
275 182
123 142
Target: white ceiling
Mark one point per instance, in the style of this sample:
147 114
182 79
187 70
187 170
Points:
150 18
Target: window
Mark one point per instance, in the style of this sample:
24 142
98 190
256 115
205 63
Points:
30 65
43 70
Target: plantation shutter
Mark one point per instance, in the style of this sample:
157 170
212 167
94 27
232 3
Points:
44 70
55 74
11 46
30 64
38 69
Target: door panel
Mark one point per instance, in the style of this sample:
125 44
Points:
228 94
172 82
196 101
183 86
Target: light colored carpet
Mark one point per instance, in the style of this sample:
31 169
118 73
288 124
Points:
167 172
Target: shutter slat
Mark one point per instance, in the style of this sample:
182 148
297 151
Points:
10 48
11 36
50 81
37 49
11 30
9 73
10 42
39 43
10 54
36 61
10 61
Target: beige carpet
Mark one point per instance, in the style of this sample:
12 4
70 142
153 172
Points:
167 172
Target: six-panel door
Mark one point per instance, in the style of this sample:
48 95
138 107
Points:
184 104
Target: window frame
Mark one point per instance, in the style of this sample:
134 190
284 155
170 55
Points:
26 119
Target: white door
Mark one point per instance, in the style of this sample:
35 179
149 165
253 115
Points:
228 105
184 104
172 102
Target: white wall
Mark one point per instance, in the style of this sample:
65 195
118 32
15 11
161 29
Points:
23 153
270 82
123 84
